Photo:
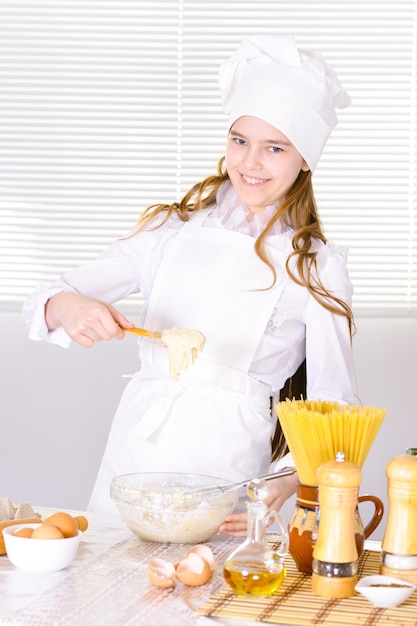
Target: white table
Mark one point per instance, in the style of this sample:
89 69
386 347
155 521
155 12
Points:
107 584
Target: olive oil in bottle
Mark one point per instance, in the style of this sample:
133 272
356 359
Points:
252 578
255 568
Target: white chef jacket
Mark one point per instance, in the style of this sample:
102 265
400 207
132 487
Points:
298 327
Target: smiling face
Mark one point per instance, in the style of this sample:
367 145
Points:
262 164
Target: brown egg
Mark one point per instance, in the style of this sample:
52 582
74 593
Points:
81 522
64 522
193 570
47 531
24 532
206 553
161 573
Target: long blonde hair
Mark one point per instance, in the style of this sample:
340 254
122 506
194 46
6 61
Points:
298 211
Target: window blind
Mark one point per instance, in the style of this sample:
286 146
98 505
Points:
109 106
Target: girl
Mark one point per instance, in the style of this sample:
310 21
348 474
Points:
242 258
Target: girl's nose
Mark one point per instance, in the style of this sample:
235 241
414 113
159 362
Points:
253 159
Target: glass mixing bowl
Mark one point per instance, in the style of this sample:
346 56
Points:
156 506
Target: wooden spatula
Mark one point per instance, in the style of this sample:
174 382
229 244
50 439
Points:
153 334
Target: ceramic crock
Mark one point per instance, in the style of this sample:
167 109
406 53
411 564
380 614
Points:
304 524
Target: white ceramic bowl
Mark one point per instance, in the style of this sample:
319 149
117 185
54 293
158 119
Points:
384 591
39 555
155 506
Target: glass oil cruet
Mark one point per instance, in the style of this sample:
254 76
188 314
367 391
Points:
254 567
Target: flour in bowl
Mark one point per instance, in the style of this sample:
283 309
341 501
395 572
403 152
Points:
183 347
174 517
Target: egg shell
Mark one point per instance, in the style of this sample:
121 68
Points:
64 522
23 532
206 553
161 573
47 531
193 570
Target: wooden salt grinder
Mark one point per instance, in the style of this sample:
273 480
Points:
335 556
399 545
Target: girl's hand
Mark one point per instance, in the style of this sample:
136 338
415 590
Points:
280 489
84 319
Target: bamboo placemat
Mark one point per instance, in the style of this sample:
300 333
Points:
295 603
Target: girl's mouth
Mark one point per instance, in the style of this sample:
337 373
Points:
254 181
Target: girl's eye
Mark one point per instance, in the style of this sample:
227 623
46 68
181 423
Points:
275 149
239 141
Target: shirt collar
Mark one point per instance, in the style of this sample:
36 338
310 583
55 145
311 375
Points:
232 214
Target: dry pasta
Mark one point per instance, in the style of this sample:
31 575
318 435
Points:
316 430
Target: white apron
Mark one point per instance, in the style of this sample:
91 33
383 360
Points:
216 419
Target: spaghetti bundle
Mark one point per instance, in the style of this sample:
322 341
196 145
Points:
317 430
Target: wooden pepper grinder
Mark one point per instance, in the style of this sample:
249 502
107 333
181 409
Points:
399 545
335 556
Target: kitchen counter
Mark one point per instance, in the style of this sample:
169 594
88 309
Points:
107 584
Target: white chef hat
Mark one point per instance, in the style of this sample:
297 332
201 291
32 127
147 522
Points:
295 90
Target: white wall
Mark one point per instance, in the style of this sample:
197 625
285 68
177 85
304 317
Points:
57 406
